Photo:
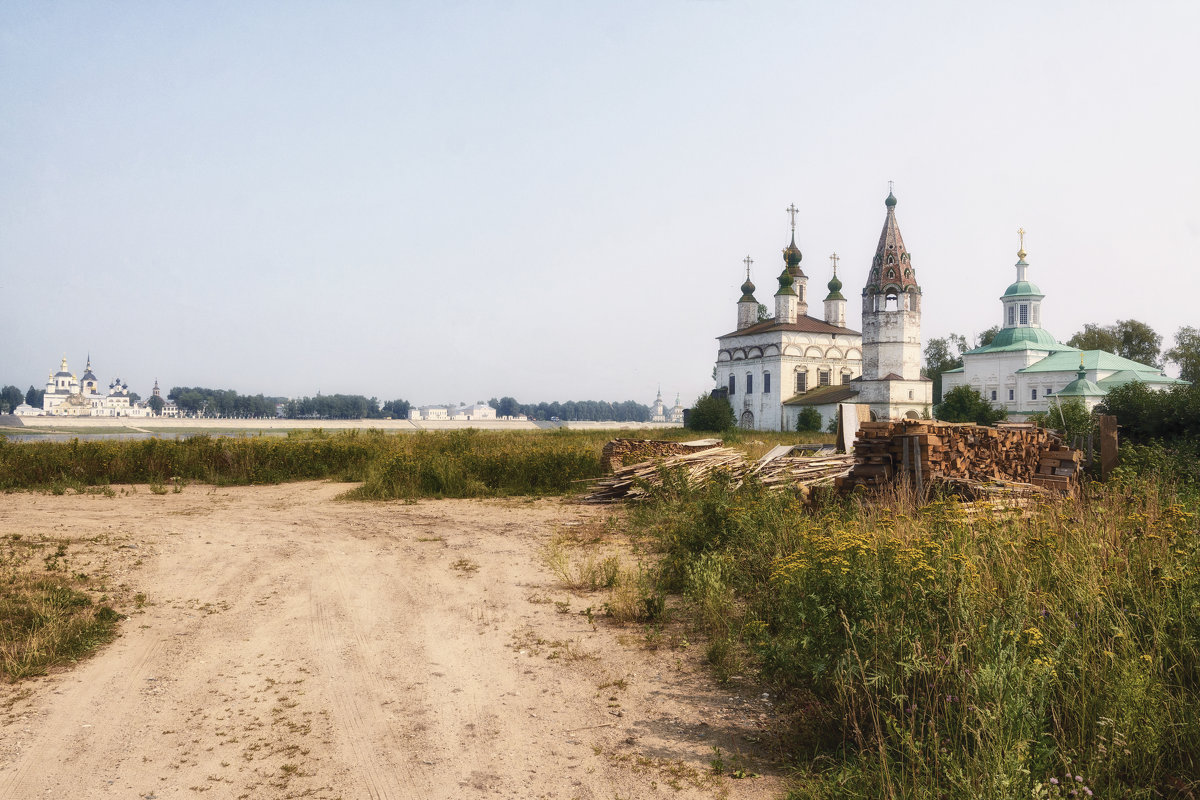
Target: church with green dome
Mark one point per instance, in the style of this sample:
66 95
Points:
1024 368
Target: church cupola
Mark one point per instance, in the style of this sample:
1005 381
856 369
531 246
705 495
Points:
785 299
1022 301
835 301
747 305
791 259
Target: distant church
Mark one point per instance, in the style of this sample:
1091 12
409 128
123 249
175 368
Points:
1024 368
69 396
770 370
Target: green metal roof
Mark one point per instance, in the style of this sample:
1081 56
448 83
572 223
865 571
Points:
1024 338
948 371
1023 289
1080 387
1092 359
1129 375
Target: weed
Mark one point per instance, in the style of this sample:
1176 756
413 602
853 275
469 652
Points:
465 565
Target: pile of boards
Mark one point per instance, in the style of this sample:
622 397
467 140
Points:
620 452
925 451
778 469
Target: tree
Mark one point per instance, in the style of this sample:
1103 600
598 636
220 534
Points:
764 313
396 409
156 404
809 420
1145 414
1128 338
1069 417
711 413
985 338
10 398
35 397
942 355
1186 353
964 404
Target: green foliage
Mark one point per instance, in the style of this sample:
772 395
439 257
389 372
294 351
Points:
572 410
35 397
711 413
809 420
199 401
156 404
1186 353
1129 338
1069 417
1145 414
941 355
985 337
928 653
10 398
964 404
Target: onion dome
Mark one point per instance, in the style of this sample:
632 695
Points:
792 257
891 200
835 289
748 292
785 282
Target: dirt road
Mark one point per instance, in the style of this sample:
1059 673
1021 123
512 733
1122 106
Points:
294 645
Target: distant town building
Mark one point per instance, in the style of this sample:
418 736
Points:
69 396
1024 369
660 413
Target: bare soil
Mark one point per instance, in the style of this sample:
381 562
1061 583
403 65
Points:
295 645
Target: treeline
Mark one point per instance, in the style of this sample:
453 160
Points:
201 402
573 410
12 396
345 406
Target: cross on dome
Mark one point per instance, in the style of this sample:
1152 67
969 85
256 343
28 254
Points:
792 212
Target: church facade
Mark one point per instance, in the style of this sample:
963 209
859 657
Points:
1024 369
771 370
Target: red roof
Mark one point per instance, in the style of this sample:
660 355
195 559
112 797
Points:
804 324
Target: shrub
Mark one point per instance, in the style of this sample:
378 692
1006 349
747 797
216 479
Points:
711 413
809 420
964 404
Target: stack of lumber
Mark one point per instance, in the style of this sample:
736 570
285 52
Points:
620 452
773 470
631 482
925 451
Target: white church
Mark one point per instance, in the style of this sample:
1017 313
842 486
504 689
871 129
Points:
1024 369
69 396
770 370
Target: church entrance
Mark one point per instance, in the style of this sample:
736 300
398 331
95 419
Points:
747 421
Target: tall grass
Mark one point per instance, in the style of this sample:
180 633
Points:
929 654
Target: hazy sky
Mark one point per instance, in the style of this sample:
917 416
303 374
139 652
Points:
449 201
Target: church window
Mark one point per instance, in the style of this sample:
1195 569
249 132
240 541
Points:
732 385
891 273
1012 315
766 383
1010 394
845 378
823 377
993 394
1024 313
1033 394
801 382
910 394
1035 314
749 383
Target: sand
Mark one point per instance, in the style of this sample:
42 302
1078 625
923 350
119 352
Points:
294 645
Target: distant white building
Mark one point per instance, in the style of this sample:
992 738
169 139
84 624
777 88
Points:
660 413
471 413
69 396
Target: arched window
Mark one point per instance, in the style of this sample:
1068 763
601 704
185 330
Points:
801 381
1012 315
749 383
823 377
766 383
732 385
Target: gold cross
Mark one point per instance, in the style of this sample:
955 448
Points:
747 261
834 258
1021 233
793 211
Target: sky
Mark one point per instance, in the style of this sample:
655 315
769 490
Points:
452 201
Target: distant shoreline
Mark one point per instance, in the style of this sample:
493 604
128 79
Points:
181 424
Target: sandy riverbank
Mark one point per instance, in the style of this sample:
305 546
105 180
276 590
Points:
175 424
